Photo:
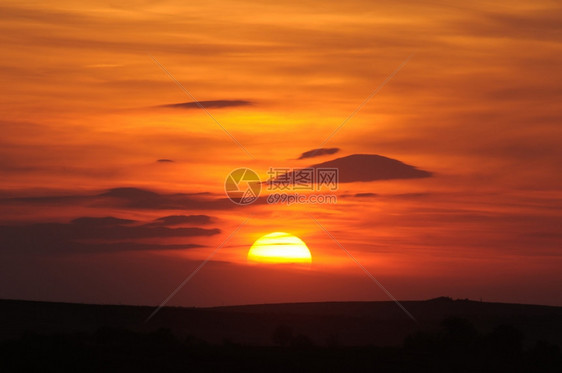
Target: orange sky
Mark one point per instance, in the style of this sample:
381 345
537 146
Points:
82 111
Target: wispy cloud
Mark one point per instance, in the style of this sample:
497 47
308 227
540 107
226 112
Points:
134 198
318 152
213 104
183 219
96 234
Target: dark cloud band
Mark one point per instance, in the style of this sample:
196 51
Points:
214 104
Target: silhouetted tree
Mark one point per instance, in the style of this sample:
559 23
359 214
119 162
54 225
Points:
505 340
545 357
301 340
458 332
283 335
333 340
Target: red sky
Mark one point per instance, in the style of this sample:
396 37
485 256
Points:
84 113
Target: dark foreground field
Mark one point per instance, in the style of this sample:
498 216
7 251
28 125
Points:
449 335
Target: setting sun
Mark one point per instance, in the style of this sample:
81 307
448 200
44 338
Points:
279 247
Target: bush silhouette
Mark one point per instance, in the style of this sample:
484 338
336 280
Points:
283 335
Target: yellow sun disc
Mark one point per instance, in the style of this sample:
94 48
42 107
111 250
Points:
279 247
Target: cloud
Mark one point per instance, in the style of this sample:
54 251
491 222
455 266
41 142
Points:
541 24
368 195
135 198
165 160
318 152
215 104
368 167
360 195
372 167
353 168
409 195
101 222
183 219
94 234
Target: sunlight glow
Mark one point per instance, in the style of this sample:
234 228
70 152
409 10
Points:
279 247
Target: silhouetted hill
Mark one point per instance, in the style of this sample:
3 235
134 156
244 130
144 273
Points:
449 336
351 323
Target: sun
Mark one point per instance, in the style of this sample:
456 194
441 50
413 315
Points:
279 247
